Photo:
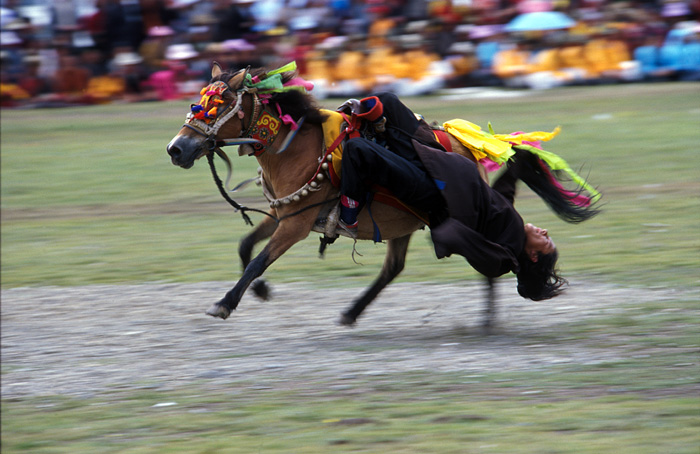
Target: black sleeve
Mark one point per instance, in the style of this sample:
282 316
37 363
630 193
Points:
488 258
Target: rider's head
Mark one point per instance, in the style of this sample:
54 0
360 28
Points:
538 278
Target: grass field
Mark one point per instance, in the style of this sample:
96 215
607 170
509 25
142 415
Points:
92 189
89 197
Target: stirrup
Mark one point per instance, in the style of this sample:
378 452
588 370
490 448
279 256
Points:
349 229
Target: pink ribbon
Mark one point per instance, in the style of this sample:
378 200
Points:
287 119
299 82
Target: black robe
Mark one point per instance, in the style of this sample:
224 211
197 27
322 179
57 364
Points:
482 224
467 216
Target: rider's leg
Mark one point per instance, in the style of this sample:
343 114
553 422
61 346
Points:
366 164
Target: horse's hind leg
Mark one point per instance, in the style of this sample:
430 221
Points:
245 251
393 265
490 311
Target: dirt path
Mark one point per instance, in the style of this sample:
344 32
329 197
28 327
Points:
86 340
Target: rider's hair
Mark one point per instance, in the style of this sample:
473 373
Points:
540 280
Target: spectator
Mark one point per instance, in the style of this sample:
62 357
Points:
511 64
70 82
31 82
403 45
234 20
154 47
180 56
126 66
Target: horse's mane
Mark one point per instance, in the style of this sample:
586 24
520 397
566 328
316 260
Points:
296 103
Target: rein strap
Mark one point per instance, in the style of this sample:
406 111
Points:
224 194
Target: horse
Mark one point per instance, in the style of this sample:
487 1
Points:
295 177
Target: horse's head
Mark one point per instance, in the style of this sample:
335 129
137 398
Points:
218 115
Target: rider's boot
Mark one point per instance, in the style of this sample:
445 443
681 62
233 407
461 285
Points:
349 210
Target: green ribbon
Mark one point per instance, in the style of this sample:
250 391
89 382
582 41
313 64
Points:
272 81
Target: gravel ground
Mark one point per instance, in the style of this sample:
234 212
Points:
82 341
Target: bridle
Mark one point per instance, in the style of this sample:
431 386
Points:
196 120
211 129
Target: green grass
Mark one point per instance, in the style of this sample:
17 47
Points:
92 189
400 414
89 196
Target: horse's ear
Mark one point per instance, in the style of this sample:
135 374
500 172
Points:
216 70
239 78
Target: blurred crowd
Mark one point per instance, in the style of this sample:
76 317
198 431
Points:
74 52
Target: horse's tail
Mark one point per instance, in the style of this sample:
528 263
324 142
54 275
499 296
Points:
544 173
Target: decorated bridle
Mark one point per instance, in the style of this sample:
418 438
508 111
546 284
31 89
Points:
207 117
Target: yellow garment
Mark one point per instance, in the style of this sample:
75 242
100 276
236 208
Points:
317 67
617 53
549 60
419 63
511 62
331 131
497 147
536 136
106 87
546 60
379 31
13 91
573 57
383 64
464 64
351 65
606 55
480 143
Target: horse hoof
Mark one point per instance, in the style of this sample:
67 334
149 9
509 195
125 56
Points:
346 320
261 289
218 310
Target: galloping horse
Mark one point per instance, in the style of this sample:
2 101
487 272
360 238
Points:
295 175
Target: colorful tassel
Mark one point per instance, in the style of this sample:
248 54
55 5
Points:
555 162
271 82
481 143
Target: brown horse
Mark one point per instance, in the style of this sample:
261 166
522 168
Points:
295 179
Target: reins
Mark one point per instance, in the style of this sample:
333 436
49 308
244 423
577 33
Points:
243 209
233 203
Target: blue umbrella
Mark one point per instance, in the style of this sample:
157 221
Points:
540 20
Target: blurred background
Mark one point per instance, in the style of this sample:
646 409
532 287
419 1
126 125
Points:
76 52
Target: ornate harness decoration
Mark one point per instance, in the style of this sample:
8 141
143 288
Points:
207 117
264 130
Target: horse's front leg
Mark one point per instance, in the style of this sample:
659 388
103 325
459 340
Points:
393 265
245 251
285 236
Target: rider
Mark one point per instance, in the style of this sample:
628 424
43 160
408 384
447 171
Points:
466 215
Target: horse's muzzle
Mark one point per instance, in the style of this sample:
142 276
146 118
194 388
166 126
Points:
183 153
176 157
